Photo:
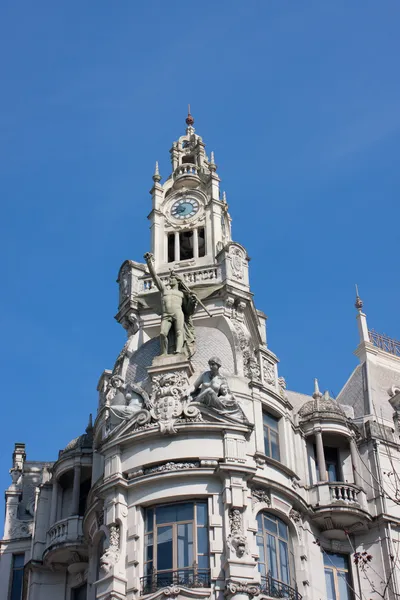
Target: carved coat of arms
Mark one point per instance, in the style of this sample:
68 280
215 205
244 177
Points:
168 402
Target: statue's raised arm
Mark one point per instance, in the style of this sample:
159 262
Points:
149 258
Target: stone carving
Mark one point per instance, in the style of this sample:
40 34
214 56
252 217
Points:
178 304
268 371
172 466
282 386
125 402
245 346
237 541
237 262
117 370
19 529
111 555
242 587
211 391
168 400
260 495
172 590
124 284
295 515
253 370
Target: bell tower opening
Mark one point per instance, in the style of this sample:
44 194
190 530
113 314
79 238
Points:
185 245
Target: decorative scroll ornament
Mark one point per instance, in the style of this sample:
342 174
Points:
295 515
111 556
168 400
260 495
237 541
242 587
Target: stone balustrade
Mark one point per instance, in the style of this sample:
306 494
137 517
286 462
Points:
186 169
343 492
66 530
190 278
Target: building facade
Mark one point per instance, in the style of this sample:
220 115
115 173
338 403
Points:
202 476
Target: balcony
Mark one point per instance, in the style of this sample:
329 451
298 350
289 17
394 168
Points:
63 537
337 503
188 578
277 589
186 175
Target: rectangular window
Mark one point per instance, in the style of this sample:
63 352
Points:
176 545
17 576
202 242
337 577
186 245
171 247
271 436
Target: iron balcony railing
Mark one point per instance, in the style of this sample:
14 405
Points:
189 578
277 589
385 343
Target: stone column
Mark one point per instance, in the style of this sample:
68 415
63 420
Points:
355 463
76 490
177 247
321 456
54 502
195 243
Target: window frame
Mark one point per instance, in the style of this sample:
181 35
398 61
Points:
15 570
278 538
174 526
267 427
335 570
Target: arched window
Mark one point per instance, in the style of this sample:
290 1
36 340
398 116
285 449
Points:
275 549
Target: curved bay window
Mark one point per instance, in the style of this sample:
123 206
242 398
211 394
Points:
176 546
276 562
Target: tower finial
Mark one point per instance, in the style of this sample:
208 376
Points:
317 394
156 176
90 424
189 118
359 303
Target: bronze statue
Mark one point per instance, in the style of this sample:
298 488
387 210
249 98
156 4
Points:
178 304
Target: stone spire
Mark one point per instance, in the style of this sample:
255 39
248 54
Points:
156 176
317 394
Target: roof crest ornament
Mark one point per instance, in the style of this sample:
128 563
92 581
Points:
189 118
359 303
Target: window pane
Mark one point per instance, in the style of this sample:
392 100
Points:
16 586
259 522
330 586
282 529
149 519
332 472
185 545
266 441
164 548
18 560
202 540
340 561
260 545
166 514
272 558
262 569
203 562
274 445
202 510
270 525
148 568
344 590
284 561
271 421
149 546
185 511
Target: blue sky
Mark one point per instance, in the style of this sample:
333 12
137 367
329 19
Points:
299 101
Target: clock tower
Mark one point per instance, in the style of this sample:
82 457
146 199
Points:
189 219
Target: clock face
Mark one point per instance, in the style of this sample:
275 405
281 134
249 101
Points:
185 208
